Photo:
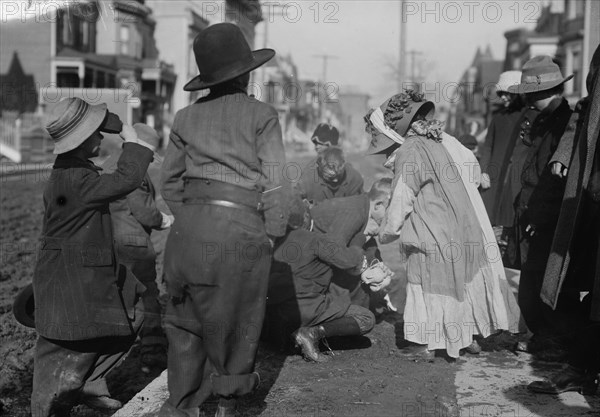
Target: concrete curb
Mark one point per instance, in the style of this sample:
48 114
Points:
148 401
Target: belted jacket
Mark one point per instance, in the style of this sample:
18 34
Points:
228 137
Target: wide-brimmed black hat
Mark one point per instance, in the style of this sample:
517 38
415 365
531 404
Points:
222 54
24 307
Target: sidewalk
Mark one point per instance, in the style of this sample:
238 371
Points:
12 171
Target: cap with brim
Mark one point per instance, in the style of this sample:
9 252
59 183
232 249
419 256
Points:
326 134
72 121
24 307
540 73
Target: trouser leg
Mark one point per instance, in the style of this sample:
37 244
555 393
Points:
363 317
111 352
510 252
530 285
64 370
232 317
584 352
213 331
142 262
58 376
357 321
187 361
145 271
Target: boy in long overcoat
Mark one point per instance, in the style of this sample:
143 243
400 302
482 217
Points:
86 315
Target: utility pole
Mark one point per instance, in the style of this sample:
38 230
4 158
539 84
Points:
323 103
413 61
274 9
402 51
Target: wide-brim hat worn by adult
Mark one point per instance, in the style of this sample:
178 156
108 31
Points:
389 123
222 54
540 73
508 79
71 121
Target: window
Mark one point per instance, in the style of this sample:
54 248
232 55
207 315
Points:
88 79
112 81
575 8
66 35
149 86
579 8
67 77
100 77
85 35
124 39
75 32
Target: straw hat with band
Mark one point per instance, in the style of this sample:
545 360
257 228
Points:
389 123
540 73
222 54
73 120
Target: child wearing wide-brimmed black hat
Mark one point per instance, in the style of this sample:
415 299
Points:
222 179
85 304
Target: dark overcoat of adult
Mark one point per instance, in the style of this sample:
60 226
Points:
576 229
493 162
80 291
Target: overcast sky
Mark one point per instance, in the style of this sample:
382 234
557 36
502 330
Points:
363 35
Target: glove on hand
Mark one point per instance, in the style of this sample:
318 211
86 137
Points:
167 220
